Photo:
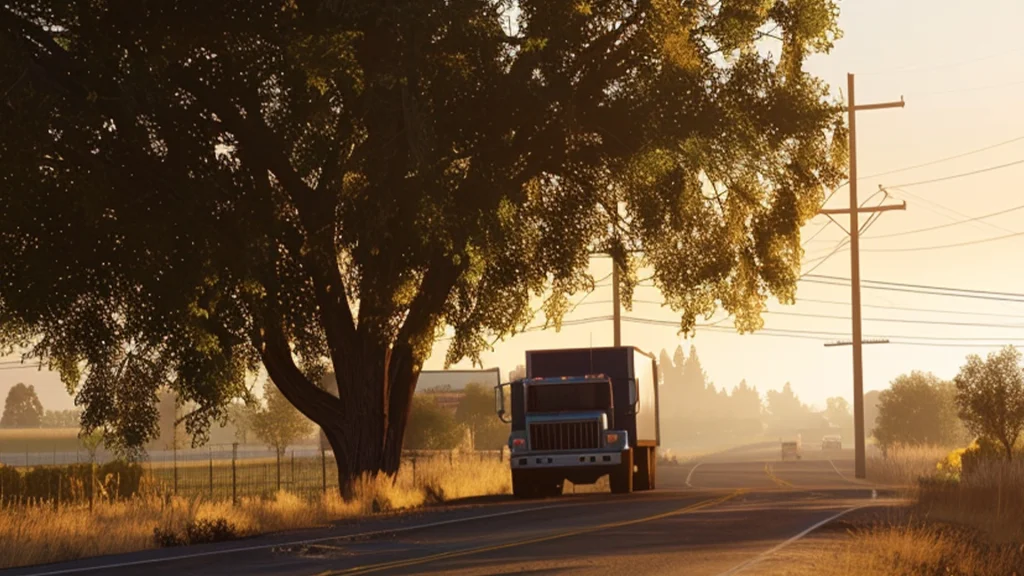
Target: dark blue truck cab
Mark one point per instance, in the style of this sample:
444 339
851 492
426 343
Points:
581 414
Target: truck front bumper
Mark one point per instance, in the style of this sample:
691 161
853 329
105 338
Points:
538 460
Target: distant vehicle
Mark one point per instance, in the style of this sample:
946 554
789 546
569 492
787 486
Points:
834 442
581 414
791 450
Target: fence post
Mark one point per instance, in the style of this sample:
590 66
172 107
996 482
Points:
211 473
92 483
451 458
323 468
278 470
414 470
175 443
234 481
294 489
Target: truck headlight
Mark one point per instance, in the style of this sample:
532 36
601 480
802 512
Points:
611 437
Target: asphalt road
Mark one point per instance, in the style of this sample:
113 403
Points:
717 517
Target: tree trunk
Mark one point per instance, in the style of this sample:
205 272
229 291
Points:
367 431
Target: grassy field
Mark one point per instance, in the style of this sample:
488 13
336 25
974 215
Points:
42 533
904 466
956 524
36 440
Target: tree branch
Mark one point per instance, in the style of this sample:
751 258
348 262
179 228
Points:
318 405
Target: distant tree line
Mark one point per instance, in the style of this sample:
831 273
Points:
984 401
694 411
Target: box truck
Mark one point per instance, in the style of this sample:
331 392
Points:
579 415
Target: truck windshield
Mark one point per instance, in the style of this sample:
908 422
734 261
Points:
568 397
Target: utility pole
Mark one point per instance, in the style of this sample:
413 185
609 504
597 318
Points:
854 211
616 312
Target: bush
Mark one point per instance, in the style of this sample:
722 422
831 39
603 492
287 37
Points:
203 531
114 480
120 480
11 486
978 453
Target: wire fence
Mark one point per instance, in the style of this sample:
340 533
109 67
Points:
213 475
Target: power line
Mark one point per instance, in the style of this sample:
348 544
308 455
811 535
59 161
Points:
898 320
946 159
925 286
875 306
897 192
960 175
944 65
945 246
824 335
910 309
941 226
1019 299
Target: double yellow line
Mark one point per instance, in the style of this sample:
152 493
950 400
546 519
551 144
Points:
778 481
472 551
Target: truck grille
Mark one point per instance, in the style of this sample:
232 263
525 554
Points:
565 435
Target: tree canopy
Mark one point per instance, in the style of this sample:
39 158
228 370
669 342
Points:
277 422
990 397
917 409
193 189
22 408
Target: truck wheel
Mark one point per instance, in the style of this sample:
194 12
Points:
554 490
644 477
654 467
621 479
522 485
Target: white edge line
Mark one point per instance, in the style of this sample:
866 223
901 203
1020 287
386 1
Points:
292 543
690 475
837 470
763 555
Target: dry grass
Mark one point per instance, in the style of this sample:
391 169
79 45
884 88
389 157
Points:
40 533
905 465
925 548
990 499
35 440
899 542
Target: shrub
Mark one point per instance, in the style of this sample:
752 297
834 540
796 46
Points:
120 480
11 486
201 531
114 480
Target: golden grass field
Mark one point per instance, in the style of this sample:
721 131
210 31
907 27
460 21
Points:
44 440
40 533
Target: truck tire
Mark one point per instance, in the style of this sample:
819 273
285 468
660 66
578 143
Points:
522 484
621 478
644 476
654 467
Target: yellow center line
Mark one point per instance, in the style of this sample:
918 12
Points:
778 481
492 548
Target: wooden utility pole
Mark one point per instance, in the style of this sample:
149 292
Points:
617 304
854 211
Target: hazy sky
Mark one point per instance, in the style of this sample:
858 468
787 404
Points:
959 71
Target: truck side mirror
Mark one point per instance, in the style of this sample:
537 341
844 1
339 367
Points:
499 402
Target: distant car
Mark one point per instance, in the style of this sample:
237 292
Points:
791 450
832 443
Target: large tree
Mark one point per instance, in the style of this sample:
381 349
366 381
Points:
990 397
22 408
192 189
917 409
